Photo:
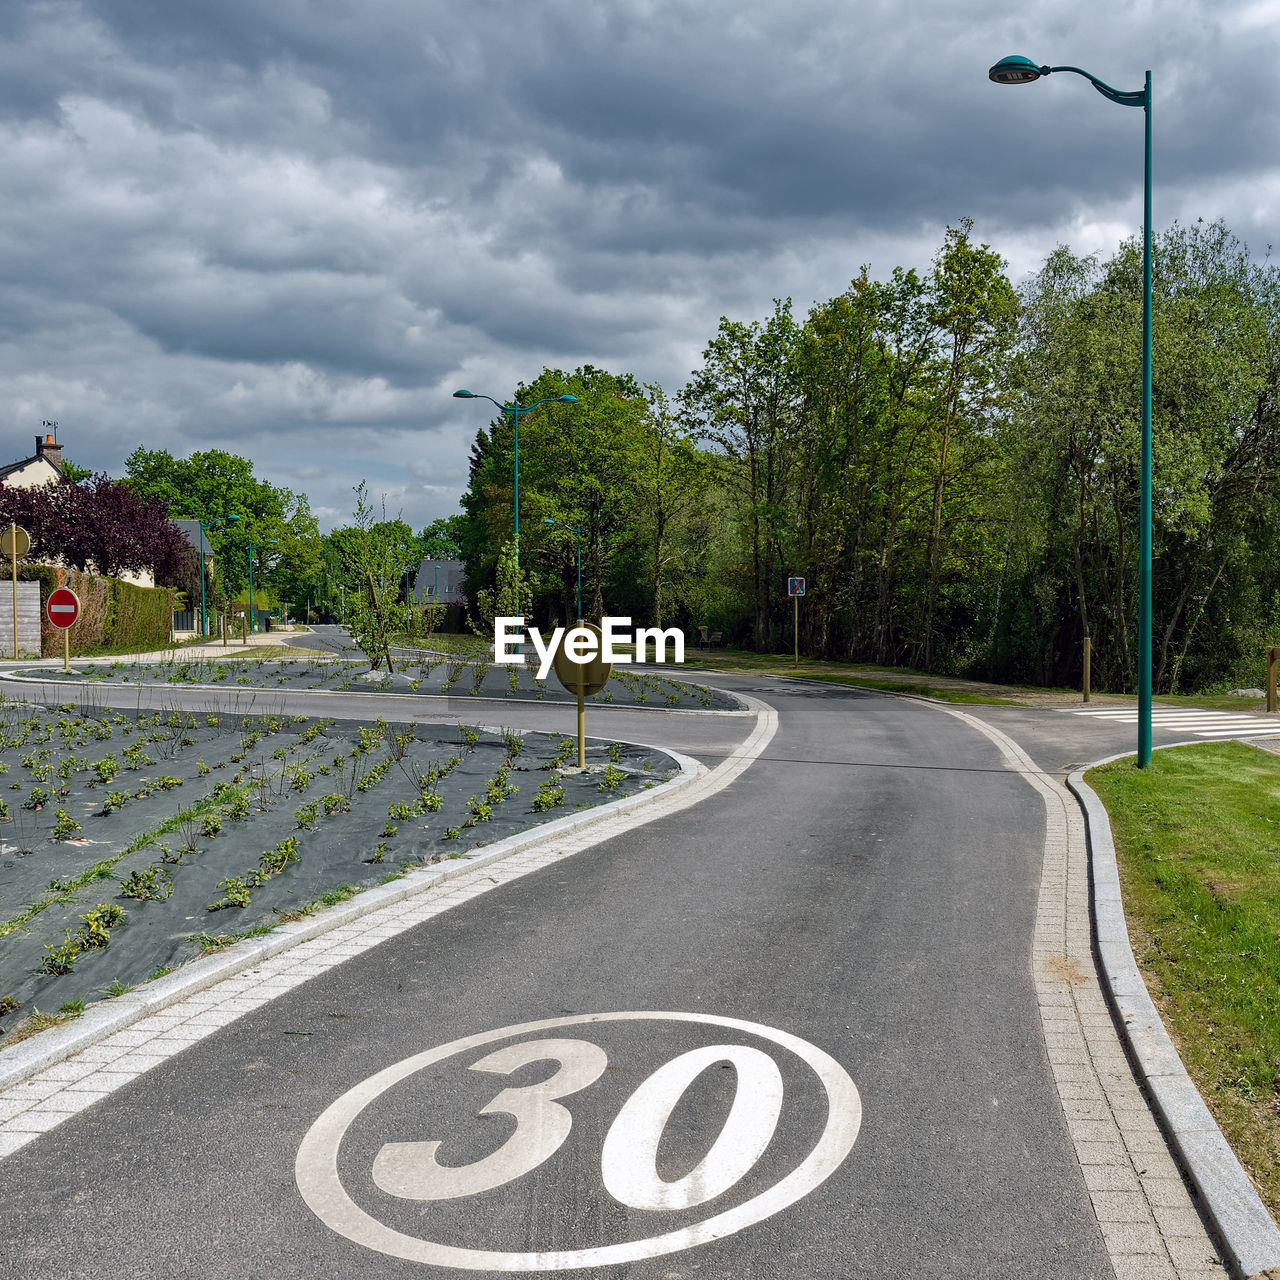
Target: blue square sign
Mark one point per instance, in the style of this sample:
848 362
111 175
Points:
795 586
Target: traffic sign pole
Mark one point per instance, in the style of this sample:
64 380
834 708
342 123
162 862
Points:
13 549
62 609
795 589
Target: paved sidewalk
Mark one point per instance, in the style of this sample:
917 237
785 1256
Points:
1148 1218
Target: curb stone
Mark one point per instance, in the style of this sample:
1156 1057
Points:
1247 1231
25 1059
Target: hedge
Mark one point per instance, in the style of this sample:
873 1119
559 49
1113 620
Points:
113 614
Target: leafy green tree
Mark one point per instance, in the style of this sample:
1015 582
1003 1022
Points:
373 559
442 538
214 484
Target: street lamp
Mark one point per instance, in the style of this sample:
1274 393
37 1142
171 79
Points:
270 542
212 524
577 529
1020 70
515 410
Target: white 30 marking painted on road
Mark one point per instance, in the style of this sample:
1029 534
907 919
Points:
628 1158
410 1169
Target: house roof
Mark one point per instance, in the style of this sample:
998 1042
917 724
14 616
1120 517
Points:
451 579
190 529
16 468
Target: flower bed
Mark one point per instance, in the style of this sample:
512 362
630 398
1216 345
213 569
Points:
429 675
130 843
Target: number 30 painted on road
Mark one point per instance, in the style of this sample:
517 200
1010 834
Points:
628 1161
629 1157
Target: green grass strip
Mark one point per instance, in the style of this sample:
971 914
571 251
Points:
1198 843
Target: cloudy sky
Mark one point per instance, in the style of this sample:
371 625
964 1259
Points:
291 228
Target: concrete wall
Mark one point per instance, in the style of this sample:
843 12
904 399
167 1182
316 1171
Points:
28 619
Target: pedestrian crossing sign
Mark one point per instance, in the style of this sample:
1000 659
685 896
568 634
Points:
795 586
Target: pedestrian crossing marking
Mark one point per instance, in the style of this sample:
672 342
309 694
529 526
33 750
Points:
1200 723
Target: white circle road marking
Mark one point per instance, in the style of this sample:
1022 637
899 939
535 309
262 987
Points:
316 1167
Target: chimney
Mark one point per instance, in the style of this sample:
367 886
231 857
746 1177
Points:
46 448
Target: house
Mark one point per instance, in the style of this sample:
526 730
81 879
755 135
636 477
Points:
190 530
440 582
44 468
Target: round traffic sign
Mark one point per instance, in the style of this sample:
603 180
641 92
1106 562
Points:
63 607
590 676
15 541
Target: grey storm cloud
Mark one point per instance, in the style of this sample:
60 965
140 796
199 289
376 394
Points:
291 229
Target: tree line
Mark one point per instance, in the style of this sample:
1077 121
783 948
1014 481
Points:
952 464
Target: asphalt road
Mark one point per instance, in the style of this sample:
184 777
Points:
867 886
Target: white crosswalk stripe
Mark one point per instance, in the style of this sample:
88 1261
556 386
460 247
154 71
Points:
1193 721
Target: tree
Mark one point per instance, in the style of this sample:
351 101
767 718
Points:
442 538
214 484
373 558
99 525
745 399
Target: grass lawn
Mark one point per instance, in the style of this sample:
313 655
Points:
1198 842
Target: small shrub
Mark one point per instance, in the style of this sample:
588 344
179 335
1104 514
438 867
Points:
432 801
235 893
36 799
237 808
202 769
612 777
166 783
65 825
62 959
306 815
550 794
389 829
210 825
155 884
336 803
452 833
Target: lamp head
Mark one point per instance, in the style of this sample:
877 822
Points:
1016 69
464 395
547 520
232 519
567 399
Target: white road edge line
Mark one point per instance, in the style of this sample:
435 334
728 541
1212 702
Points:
384 911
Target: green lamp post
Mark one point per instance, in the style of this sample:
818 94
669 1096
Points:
211 524
270 542
577 532
1020 70
515 410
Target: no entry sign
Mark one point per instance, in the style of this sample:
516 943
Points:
63 607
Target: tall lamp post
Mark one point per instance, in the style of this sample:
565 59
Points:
1020 70
577 532
515 410
253 546
211 524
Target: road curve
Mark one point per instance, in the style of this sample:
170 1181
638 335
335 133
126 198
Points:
867 888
